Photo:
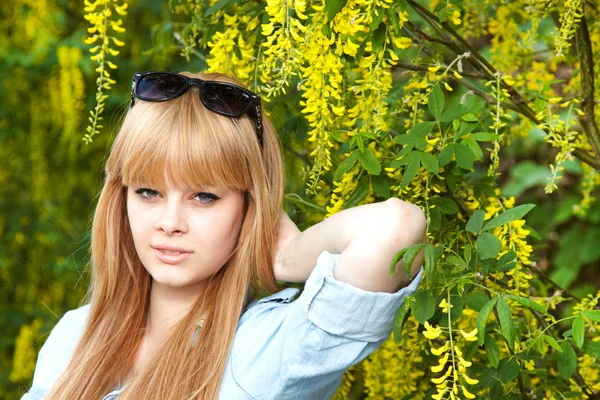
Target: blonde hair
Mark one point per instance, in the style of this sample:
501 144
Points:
194 145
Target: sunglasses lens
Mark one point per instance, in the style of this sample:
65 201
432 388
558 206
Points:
225 99
158 86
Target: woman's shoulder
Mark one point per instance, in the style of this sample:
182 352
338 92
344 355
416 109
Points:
58 348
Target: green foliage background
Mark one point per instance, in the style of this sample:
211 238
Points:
52 159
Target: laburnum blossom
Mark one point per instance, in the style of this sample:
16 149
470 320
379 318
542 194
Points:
445 306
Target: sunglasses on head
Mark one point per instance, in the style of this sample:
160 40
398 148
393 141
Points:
220 97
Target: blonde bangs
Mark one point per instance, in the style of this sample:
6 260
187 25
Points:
182 143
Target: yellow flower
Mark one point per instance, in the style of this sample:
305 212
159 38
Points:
457 75
470 336
434 69
467 394
444 305
464 362
430 332
440 350
440 366
470 381
554 100
508 80
530 364
402 43
455 17
448 87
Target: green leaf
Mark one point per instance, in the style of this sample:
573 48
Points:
552 342
360 192
578 328
566 360
474 147
370 162
464 156
436 102
393 17
484 136
506 322
409 257
491 351
528 303
430 257
507 261
422 129
333 7
379 36
457 262
509 371
399 254
445 155
216 7
509 215
423 307
482 318
594 315
488 245
345 166
469 118
411 171
400 317
476 221
445 205
591 348
430 163
453 113
476 300
381 186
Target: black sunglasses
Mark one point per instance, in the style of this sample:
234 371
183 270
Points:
220 97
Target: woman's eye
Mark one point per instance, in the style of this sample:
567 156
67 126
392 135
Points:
140 193
211 198
207 198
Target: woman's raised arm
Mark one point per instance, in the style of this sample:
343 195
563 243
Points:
366 237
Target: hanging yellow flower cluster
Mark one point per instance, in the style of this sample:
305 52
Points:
25 355
322 78
589 181
588 365
232 51
72 96
284 43
571 12
395 370
561 135
448 384
513 238
99 13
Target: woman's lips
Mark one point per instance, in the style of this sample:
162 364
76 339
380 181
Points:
170 258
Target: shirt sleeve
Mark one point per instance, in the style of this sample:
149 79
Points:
300 349
56 353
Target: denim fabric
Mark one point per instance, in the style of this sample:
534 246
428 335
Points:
284 348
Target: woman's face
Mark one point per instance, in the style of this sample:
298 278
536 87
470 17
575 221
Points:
204 223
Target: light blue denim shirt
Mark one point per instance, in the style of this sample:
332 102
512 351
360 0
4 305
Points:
284 348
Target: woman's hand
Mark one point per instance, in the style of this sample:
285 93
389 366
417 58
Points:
286 233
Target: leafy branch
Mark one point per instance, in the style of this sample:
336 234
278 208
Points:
460 45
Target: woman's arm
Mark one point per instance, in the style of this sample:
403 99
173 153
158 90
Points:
367 237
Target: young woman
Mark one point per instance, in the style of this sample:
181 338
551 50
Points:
189 224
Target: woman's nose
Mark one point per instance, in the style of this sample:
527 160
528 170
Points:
172 220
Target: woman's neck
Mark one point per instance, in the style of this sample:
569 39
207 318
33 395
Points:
168 306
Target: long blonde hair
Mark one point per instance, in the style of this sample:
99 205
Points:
194 145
